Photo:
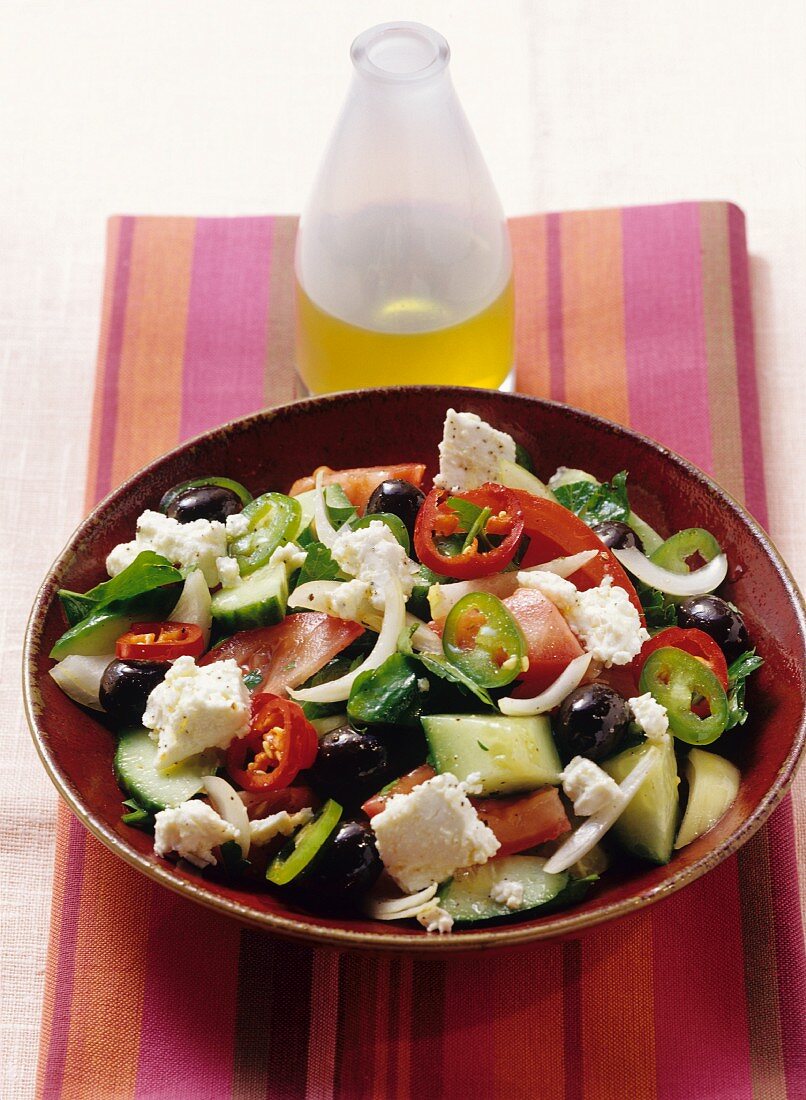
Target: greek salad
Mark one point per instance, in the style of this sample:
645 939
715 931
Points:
449 703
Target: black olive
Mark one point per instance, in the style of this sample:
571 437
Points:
400 498
126 686
718 619
346 867
204 502
350 766
618 536
591 722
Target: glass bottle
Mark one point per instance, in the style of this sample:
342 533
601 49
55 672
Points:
403 262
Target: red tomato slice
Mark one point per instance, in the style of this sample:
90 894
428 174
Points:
288 653
523 821
692 641
554 532
404 785
550 643
360 483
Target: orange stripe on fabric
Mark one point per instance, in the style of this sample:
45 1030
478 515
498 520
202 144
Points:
530 262
150 384
618 1010
593 313
280 377
112 244
107 1001
720 341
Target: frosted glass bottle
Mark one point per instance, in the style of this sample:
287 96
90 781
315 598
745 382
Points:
403 262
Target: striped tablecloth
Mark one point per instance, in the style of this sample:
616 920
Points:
642 315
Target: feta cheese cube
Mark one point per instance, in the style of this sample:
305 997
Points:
562 593
228 572
283 823
197 708
507 892
427 834
471 452
607 624
351 601
192 830
434 918
651 716
237 524
194 545
589 787
373 555
290 555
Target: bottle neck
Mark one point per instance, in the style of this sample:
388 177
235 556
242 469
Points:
400 54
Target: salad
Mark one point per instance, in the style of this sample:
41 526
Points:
450 703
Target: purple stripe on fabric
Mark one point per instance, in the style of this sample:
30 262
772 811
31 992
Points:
750 414
572 1020
667 370
555 311
187 1038
66 966
114 351
702 1042
227 324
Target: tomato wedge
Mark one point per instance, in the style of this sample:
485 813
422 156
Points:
550 643
360 483
692 641
160 642
281 742
436 517
404 785
290 652
523 821
555 532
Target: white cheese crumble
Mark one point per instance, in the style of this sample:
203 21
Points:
349 601
237 525
280 824
373 555
228 572
427 834
197 544
197 707
290 555
562 593
192 830
651 716
509 893
434 918
471 452
588 786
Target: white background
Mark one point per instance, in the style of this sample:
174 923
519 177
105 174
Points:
204 107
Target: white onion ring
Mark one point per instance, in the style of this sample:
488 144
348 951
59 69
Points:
697 583
400 908
227 804
325 531
554 694
591 831
565 567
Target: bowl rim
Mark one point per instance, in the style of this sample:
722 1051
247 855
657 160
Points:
565 923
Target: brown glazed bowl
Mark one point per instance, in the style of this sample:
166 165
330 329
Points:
271 449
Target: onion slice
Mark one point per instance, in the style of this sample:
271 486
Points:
591 831
565 567
394 620
325 531
227 804
698 583
401 907
554 694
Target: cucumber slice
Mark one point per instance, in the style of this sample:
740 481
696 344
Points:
136 771
259 600
647 826
467 895
713 783
296 856
514 476
510 754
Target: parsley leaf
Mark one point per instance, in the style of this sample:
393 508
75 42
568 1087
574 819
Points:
318 565
605 503
441 667
467 512
745 664
137 817
659 610
252 679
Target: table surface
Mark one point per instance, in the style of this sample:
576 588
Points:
197 108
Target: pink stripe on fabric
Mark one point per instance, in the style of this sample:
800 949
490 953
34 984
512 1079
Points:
187 1040
702 1045
667 370
66 967
749 412
555 310
109 414
227 324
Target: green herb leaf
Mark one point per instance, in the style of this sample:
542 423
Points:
75 605
388 695
338 505
605 503
147 572
482 746
477 528
441 667
253 679
318 565
660 611
523 458
232 857
467 512
138 817
745 664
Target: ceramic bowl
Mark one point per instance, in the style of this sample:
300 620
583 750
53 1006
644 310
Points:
270 450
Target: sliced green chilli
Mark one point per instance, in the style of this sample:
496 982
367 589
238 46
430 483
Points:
296 856
695 700
273 518
483 640
224 482
673 554
394 523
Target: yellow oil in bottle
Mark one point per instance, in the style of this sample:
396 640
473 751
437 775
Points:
411 341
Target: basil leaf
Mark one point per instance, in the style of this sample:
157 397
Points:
659 610
387 695
745 664
148 571
605 503
467 512
441 667
75 606
523 458
318 565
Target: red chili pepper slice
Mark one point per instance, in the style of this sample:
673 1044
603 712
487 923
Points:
692 641
160 642
281 743
437 518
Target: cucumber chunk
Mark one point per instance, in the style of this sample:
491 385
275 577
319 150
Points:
713 783
514 476
510 754
136 771
258 600
467 895
647 826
